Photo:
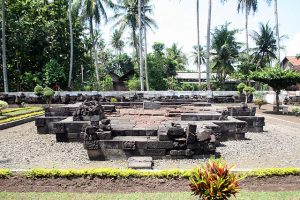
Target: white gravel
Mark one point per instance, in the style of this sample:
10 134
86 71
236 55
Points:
22 148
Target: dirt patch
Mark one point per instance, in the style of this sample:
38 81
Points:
19 184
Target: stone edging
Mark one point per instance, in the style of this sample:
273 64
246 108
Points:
18 122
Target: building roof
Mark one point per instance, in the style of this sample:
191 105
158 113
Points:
190 75
293 60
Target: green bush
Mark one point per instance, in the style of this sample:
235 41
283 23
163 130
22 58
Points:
259 102
3 105
133 84
214 181
5 173
107 84
113 100
296 111
240 87
38 90
48 93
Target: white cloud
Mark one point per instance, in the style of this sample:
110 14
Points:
293 45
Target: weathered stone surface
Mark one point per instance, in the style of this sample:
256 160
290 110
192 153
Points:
104 135
129 145
151 105
163 136
191 133
203 135
140 162
175 132
89 111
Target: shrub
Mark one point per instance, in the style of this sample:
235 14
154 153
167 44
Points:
5 173
3 105
296 111
214 181
259 102
240 87
48 93
133 84
107 84
38 90
113 100
248 91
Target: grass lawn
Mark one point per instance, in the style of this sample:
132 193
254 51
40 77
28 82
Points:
146 196
12 114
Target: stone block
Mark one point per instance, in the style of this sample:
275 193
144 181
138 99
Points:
104 135
162 135
151 105
203 135
175 132
191 133
140 162
159 145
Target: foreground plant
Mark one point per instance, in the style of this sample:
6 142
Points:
214 181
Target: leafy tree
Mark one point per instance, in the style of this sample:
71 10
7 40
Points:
38 90
48 94
171 82
179 59
248 91
265 50
107 84
225 51
93 11
244 67
277 78
133 84
121 64
240 87
53 73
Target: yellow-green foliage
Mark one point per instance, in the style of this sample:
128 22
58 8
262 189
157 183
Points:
10 119
5 173
273 172
104 173
130 173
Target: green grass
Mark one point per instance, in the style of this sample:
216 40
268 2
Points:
13 112
145 196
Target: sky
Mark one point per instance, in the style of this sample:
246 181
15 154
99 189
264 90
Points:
176 21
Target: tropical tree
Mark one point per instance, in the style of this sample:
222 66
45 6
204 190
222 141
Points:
208 43
247 6
126 17
276 27
277 78
4 49
225 51
265 50
116 42
176 54
198 55
93 11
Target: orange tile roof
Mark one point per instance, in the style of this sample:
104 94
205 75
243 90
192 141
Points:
293 60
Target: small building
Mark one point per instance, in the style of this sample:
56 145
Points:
291 62
119 82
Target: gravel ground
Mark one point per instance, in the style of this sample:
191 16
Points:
22 148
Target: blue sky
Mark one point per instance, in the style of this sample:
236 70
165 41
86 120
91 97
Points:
177 22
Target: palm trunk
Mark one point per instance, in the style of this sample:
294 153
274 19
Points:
4 49
277 30
140 45
71 44
246 28
208 47
145 53
198 44
94 52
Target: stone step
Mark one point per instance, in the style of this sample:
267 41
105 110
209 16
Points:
140 162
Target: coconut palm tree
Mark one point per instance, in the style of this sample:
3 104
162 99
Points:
127 17
276 27
265 50
71 44
4 49
208 43
198 55
198 44
93 11
247 6
116 41
225 51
